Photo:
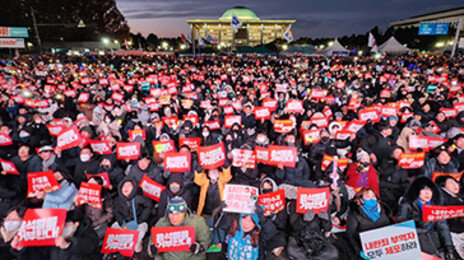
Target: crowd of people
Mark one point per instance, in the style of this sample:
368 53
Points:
412 96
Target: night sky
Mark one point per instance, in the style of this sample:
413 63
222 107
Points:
314 18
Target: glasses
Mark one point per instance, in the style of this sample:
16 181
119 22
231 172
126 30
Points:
24 149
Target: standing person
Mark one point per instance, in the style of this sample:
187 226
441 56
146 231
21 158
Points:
434 237
179 215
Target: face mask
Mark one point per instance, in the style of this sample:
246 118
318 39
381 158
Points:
370 203
250 132
267 190
85 157
38 121
214 175
105 167
23 135
175 189
205 134
325 138
107 120
11 225
67 231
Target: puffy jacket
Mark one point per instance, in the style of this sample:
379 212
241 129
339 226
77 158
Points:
202 180
62 198
123 205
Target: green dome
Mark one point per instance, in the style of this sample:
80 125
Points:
243 13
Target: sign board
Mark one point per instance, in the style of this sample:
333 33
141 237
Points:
12 43
433 28
13 32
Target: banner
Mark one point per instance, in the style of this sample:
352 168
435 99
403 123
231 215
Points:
370 114
120 240
262 154
284 155
321 122
262 113
163 147
456 175
104 176
16 43
294 106
436 213
83 97
69 138
129 151
90 194
212 157
100 147
418 141
173 239
232 119
394 242
151 188
273 202
354 126
283 126
14 32
134 133
244 158
239 198
193 143
213 125
411 160
318 93
311 136
40 227
5 139
9 167
177 162
41 181
270 103
316 199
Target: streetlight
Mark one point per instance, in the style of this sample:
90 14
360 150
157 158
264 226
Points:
165 45
330 43
116 41
182 46
105 40
439 44
285 47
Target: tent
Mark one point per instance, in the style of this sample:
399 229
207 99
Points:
336 49
304 50
392 46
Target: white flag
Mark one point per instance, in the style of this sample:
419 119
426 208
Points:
235 23
288 35
201 43
371 42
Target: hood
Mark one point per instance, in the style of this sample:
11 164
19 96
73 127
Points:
273 183
412 193
178 178
134 191
253 216
84 227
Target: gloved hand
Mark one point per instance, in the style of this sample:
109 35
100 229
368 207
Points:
324 215
259 210
309 215
196 248
152 250
361 253
198 168
450 253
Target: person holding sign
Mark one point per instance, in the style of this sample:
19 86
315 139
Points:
434 237
10 227
62 198
179 215
452 197
441 162
366 213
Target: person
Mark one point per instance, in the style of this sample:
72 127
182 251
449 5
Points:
132 210
244 238
84 164
440 163
366 213
145 166
48 157
452 197
179 215
62 198
362 173
9 229
434 237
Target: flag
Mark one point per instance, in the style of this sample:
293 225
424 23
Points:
211 39
288 35
126 44
372 43
186 40
235 23
140 46
201 43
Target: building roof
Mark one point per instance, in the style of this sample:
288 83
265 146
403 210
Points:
448 15
241 12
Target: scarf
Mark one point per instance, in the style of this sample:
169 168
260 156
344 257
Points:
372 212
421 205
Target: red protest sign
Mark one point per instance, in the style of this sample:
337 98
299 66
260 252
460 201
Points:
449 112
40 227
262 154
129 151
321 122
283 126
435 142
436 213
270 103
191 118
55 129
369 114
411 160
311 136
294 106
211 157
120 240
83 97
244 158
104 176
69 138
273 202
100 147
91 194
134 133
232 119
118 97
456 175
151 188
354 126
284 155
262 113
177 162
192 143
316 199
171 121
318 93
41 181
9 167
173 239
163 147
387 111
5 139
213 125
238 198
418 141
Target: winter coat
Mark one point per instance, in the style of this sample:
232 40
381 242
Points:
151 171
353 177
433 236
456 225
202 180
239 246
298 176
100 216
167 195
432 165
202 236
84 244
122 209
62 198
